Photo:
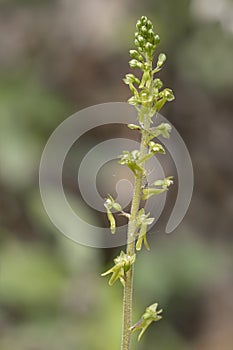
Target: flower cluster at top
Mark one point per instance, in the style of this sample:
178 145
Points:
145 39
148 96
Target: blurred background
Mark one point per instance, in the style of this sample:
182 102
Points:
57 57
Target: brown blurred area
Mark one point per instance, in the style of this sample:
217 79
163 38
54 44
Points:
57 57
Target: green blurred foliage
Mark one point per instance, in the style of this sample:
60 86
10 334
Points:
63 301
206 59
29 112
30 277
52 292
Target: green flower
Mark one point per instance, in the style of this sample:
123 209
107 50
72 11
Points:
151 315
142 222
163 129
111 204
131 159
160 186
122 264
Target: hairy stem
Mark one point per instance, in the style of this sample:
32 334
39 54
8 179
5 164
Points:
128 288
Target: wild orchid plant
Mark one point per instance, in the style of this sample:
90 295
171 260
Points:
148 97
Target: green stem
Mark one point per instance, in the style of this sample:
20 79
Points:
128 288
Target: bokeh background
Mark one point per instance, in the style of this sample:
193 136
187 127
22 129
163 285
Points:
57 57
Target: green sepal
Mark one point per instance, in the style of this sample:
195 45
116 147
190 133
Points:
165 183
142 238
112 221
142 222
159 104
149 192
160 186
133 90
115 274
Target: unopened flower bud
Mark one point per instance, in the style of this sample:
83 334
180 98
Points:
144 30
138 24
149 24
135 64
141 40
144 19
156 39
161 59
148 47
150 33
136 42
135 54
